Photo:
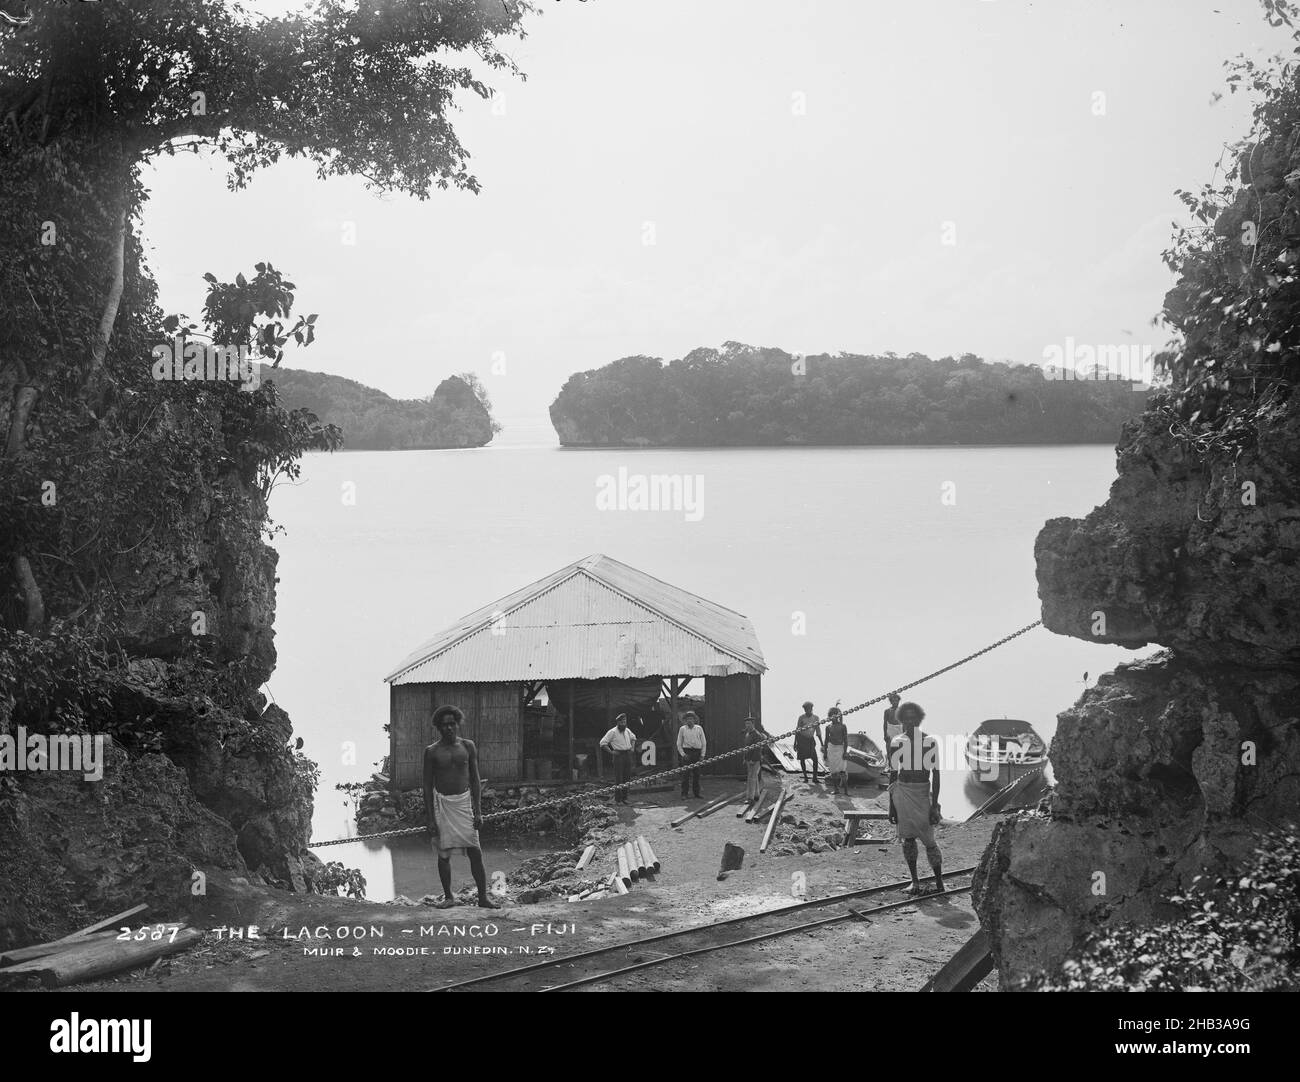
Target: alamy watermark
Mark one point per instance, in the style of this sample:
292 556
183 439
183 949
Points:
81 753
179 360
1080 361
625 491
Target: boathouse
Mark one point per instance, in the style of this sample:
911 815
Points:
541 674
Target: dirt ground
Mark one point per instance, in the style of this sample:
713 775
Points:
898 951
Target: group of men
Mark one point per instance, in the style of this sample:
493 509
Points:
453 788
621 743
808 732
912 759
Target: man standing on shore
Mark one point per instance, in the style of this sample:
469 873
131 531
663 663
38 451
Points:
806 737
691 748
834 745
620 741
914 797
453 806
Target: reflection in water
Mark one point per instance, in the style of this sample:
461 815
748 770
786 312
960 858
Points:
407 866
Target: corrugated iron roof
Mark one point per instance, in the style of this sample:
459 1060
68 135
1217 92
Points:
595 618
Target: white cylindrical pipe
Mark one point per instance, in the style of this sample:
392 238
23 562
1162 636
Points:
624 873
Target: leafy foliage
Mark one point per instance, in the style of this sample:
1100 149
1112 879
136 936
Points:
1236 306
1238 933
334 878
124 497
745 395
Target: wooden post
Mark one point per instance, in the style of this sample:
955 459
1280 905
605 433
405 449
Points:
573 758
392 737
672 716
609 720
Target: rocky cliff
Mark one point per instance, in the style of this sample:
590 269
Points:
199 775
1165 766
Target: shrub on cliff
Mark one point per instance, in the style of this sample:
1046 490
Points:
1236 306
1239 933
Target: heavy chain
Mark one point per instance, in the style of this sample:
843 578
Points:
592 796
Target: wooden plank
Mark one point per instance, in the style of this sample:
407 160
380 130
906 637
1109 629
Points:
771 823
757 810
712 805
100 958
718 807
41 950
109 922
965 969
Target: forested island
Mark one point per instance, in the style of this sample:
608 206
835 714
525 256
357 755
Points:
457 414
743 395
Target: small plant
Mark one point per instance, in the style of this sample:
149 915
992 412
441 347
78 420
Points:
334 877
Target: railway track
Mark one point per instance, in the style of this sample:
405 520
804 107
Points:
588 967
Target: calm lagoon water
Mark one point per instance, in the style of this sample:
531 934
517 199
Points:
857 573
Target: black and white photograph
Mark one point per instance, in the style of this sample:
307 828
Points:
650 496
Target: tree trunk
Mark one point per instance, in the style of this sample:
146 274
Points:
24 399
116 261
35 623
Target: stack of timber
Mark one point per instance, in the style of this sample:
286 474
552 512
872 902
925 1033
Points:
95 951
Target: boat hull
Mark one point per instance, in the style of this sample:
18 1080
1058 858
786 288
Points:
999 773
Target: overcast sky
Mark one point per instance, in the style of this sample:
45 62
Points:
795 163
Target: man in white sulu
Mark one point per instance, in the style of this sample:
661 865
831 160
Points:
453 803
914 795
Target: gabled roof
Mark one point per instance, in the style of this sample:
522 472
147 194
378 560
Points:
595 618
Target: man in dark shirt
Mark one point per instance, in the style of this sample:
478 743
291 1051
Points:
453 803
808 731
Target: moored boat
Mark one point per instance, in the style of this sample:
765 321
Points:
864 759
1001 750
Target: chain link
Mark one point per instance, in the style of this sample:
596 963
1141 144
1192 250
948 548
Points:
591 797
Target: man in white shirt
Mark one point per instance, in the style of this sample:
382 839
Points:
691 747
620 741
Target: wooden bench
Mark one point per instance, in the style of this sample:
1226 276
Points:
853 819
